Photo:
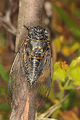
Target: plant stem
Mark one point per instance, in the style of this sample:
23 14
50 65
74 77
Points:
61 95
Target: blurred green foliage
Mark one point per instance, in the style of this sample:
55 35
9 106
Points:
67 77
3 73
74 29
4 107
62 71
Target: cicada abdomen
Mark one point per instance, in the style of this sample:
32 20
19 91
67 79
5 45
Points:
32 64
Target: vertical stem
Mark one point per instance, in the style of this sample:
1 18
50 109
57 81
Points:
62 91
66 84
30 14
61 95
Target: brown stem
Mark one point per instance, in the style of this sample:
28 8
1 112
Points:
30 14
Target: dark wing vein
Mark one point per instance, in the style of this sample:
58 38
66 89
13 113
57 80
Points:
17 83
44 82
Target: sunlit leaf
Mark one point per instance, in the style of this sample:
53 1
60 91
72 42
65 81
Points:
73 64
58 72
74 47
75 74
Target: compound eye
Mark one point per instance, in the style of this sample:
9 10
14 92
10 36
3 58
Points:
30 32
46 32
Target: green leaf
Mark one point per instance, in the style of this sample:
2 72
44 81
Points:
73 64
77 12
72 73
68 0
76 32
69 22
78 50
3 73
58 72
65 17
75 74
2 89
4 107
56 66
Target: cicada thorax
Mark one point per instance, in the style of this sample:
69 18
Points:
37 47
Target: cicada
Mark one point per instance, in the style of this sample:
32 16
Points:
32 65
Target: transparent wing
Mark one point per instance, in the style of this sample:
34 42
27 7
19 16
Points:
44 82
18 86
17 83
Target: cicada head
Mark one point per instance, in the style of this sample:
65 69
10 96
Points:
37 33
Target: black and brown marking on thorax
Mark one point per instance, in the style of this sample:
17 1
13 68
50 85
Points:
37 47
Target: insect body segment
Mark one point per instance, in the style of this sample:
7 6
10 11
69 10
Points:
33 62
36 46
